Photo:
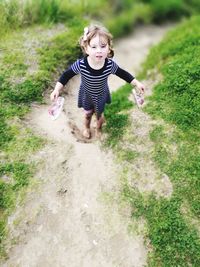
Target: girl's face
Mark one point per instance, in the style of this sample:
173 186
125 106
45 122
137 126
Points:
97 49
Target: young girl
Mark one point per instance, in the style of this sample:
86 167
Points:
94 67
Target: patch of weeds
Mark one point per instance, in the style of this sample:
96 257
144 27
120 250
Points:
157 133
176 99
115 126
162 145
11 110
14 64
127 155
20 173
174 242
183 168
161 156
15 173
13 177
17 142
3 233
26 92
61 47
5 132
116 117
135 199
184 173
189 216
173 236
124 21
24 144
6 194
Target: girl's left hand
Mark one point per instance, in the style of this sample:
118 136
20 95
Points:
139 85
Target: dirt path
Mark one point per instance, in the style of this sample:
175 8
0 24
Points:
72 216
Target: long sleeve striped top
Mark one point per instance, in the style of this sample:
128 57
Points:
94 82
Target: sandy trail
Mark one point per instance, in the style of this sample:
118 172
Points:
72 217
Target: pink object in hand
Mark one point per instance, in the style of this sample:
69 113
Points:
139 99
56 108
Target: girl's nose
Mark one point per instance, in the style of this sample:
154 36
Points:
98 49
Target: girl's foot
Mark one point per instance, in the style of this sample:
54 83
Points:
98 133
87 133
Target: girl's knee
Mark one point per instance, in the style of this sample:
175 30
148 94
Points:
88 114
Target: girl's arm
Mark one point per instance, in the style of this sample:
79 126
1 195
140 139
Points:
64 78
126 76
54 95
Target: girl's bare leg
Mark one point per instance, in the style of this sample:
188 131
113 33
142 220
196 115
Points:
88 118
100 122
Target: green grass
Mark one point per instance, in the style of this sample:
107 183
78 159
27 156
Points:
176 100
181 165
18 89
17 96
16 171
14 176
173 241
20 14
172 229
116 115
126 19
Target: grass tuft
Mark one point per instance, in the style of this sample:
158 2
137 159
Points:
116 115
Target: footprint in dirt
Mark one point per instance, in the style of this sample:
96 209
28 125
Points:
79 135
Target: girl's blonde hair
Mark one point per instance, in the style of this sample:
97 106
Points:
92 31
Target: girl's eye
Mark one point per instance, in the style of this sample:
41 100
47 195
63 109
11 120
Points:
102 46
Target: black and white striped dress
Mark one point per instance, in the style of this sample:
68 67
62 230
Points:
94 91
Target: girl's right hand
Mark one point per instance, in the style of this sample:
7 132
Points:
54 95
